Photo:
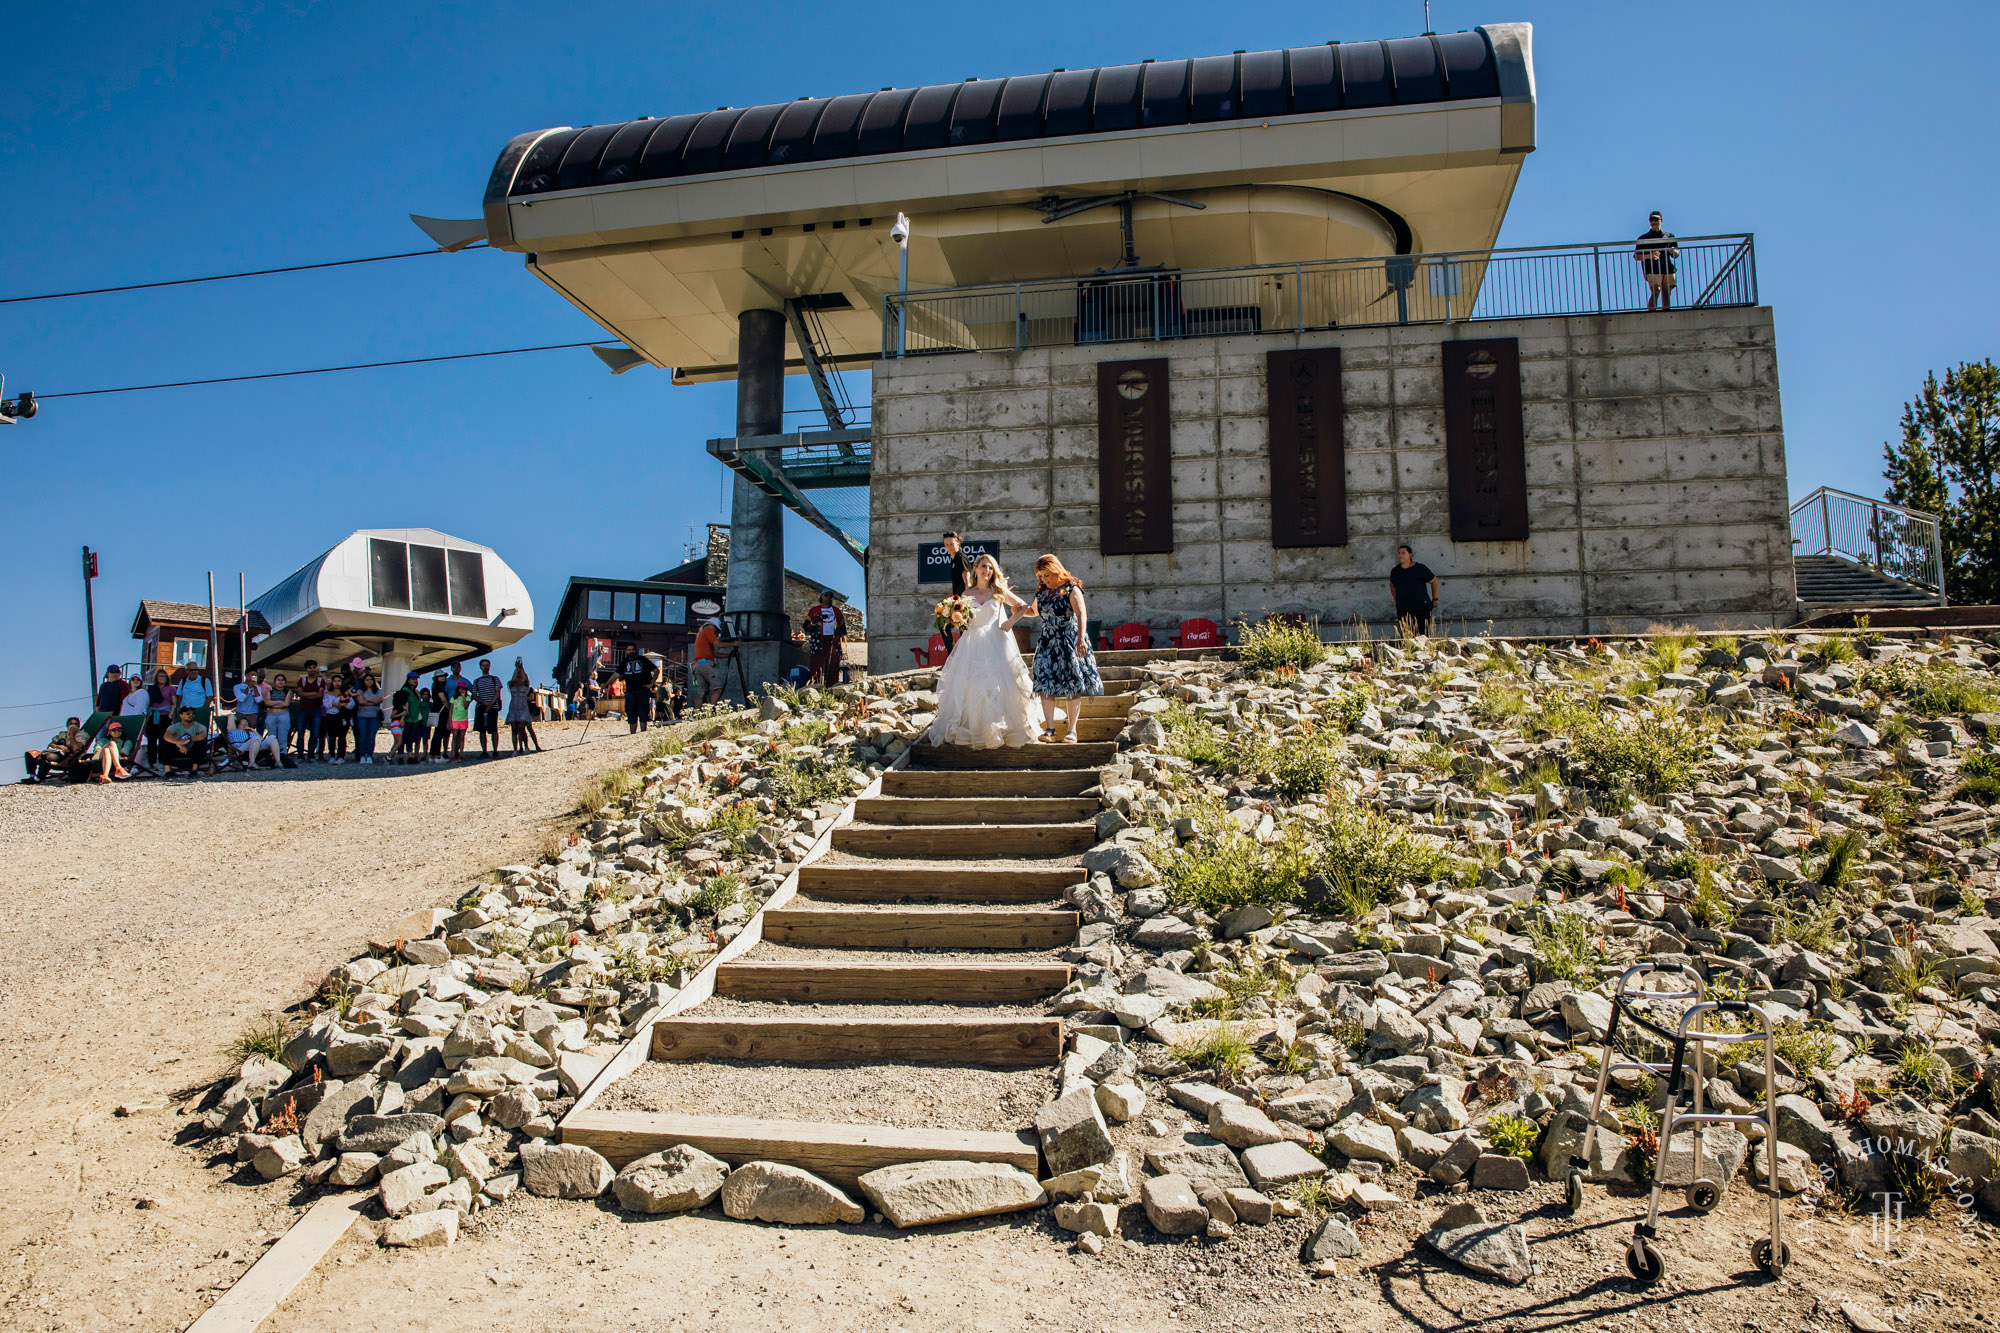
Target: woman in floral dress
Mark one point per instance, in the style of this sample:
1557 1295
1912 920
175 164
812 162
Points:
1065 670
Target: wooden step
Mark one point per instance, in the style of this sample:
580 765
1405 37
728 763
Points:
892 983
945 782
981 841
1109 705
976 809
890 928
839 1153
1100 728
939 882
1052 755
996 1043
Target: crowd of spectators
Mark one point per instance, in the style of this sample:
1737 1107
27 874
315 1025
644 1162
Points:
177 723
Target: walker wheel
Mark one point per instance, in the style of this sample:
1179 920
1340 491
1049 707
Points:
1772 1259
1704 1195
1643 1262
1573 1193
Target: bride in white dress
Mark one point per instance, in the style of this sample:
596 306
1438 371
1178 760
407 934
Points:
984 696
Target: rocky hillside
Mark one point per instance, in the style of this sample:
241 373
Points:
1373 900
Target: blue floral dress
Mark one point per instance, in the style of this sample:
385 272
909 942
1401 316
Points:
1060 671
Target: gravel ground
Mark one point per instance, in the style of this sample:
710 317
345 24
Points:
148 923
907 1096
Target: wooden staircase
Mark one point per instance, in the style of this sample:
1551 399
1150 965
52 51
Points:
951 882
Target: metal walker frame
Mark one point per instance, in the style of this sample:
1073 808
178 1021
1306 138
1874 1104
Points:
1642 1257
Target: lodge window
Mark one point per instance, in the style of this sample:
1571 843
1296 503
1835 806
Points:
191 652
599 605
649 608
624 606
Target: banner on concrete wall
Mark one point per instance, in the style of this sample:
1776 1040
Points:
1308 448
1485 459
934 562
1135 479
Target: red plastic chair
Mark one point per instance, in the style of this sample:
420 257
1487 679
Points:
1131 635
934 655
1198 633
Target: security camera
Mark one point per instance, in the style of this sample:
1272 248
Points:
900 233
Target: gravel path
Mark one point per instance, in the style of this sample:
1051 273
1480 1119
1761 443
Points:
147 922
907 1096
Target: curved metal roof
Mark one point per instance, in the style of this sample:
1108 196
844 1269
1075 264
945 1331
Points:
1257 85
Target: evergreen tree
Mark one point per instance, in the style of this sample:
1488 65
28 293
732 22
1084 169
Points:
1948 464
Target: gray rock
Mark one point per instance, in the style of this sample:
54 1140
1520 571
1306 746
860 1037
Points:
1312 1110
564 1170
1363 967
280 1157
431 1230
348 1055
1464 1213
1241 1125
1365 1141
1072 1132
1240 922
402 1189
1975 1157
913 1194
774 1192
1196 1098
1251 1206
1201 1160
513 1107
1796 1172
468 1162
338 1103
1498 1171
1334 1240
1721 1156
1171 1206
474 1036
1396 1031
1586 1012
1457 1161
1088 1217
679 1178
1801 1124
381 1133
1270 1165
1166 984
1164 934
1496 1251
1904 1121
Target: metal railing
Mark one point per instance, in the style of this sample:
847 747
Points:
1902 543
1158 304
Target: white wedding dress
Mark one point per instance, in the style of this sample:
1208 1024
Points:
984 698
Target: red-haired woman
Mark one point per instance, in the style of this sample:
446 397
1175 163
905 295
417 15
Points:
1065 670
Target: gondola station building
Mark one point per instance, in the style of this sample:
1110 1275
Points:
1220 332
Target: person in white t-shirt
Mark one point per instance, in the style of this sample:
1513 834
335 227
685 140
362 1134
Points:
826 629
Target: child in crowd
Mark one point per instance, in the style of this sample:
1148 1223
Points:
332 724
461 719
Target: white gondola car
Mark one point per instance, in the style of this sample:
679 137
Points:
401 599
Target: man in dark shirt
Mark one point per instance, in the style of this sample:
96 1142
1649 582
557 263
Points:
961 578
486 692
640 675
1415 589
1656 252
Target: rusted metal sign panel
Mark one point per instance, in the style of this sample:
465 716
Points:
1135 479
1485 462
1308 448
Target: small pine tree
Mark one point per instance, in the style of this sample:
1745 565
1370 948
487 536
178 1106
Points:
1948 464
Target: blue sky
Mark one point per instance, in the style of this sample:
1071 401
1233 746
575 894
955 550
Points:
143 142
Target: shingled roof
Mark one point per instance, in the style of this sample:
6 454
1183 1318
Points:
192 613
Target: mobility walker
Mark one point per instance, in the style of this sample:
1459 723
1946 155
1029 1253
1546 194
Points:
1642 1257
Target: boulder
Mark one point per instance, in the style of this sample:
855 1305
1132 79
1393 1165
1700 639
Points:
1499 1171
913 1194
1365 1141
1164 934
1496 1251
1072 1132
1270 1165
1587 1013
1199 1160
339 1102
1974 1157
1334 1240
1171 1206
679 1178
1722 1154
1906 1123
1088 1217
430 1230
280 1157
1119 1102
1241 1125
564 1170
1796 1172
1801 1124
381 1133
401 1190
774 1192
1251 1206
1457 1161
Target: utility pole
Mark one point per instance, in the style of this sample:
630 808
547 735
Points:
90 615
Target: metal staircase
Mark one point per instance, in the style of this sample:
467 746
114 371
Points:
1854 553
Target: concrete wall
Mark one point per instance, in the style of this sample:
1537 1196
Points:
1655 458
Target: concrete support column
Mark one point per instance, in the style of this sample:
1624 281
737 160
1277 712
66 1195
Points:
756 588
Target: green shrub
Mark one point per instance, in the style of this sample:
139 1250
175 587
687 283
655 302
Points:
1838 857
1500 702
1512 1135
1813 928
1711 907
1342 711
1280 643
1980 774
1306 765
1807 1047
800 784
666 743
263 1035
1932 689
1194 738
721 892
736 823
1653 752
811 732
1565 948
1222 1050
1361 849
1224 867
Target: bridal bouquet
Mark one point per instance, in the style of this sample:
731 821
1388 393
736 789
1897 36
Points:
952 615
